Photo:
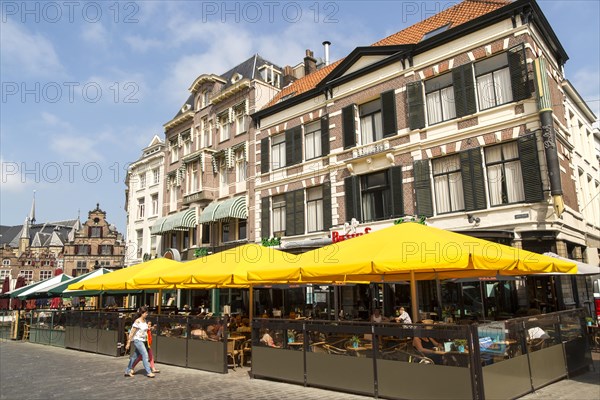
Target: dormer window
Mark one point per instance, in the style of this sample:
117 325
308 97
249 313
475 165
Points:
236 77
270 75
185 108
436 31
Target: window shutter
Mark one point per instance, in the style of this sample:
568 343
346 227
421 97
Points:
326 206
464 90
517 64
297 144
416 107
348 126
388 113
397 193
352 196
325 135
265 217
530 169
289 147
472 176
423 188
264 156
294 213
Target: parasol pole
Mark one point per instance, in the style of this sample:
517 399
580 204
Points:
159 299
414 304
251 300
438 289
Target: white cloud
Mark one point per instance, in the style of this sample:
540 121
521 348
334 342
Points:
12 178
96 34
142 45
26 53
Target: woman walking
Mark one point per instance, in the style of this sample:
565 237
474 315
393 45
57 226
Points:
139 337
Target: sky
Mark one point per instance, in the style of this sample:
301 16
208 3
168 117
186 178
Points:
86 85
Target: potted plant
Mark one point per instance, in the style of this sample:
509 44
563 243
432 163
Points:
460 344
589 321
355 341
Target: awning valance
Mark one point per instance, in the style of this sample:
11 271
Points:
230 208
180 221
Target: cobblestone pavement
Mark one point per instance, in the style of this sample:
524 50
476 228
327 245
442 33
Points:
33 371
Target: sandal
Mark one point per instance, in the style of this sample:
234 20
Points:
129 374
150 375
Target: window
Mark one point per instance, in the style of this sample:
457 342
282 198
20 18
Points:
225 232
371 128
6 262
375 196
106 249
154 199
440 99
279 214
187 145
193 179
312 140
174 150
493 81
205 233
139 235
142 180
141 207
4 273
240 165
173 198
45 274
186 239
205 98
206 130
240 120
95 231
156 176
82 265
242 234
314 206
270 75
223 178
153 244
223 127
505 180
447 181
45 263
28 275
278 151
83 249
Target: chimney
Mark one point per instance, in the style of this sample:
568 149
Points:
288 76
326 45
310 63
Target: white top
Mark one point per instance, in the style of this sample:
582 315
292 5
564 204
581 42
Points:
377 318
537 333
404 318
141 332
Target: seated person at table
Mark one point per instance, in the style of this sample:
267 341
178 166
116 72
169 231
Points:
427 346
377 317
403 317
267 339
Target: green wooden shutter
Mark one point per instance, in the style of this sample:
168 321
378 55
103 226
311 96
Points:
352 197
348 126
388 113
264 155
530 169
416 106
326 206
519 80
294 213
289 147
265 217
397 192
471 170
325 135
423 188
464 90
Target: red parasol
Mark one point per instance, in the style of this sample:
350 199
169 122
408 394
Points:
5 288
17 304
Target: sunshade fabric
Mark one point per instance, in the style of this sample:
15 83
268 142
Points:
122 279
582 268
207 215
224 269
232 208
158 225
42 286
59 288
21 289
390 255
182 220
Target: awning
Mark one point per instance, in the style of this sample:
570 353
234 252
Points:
157 227
180 221
234 207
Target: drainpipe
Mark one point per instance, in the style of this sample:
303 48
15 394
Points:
548 135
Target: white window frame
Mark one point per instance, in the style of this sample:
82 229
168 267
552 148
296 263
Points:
240 120
278 210
371 122
139 236
447 184
493 82
174 148
173 198
223 175
439 98
224 127
156 175
193 180
6 262
45 274
240 166
141 180
314 209
4 273
504 176
312 140
278 151
154 200
27 274
141 207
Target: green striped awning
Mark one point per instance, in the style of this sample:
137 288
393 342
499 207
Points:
208 213
180 221
232 208
157 227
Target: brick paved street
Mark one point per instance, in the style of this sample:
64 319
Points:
33 371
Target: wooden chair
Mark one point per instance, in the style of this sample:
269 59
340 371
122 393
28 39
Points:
335 350
26 332
246 351
232 353
318 347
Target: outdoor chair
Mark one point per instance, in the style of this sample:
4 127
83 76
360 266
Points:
318 347
232 353
536 344
246 351
335 350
